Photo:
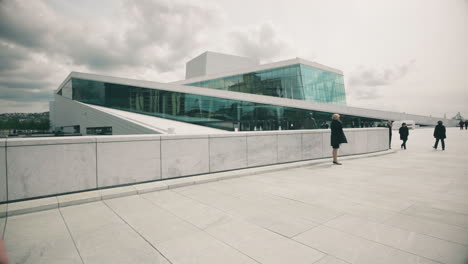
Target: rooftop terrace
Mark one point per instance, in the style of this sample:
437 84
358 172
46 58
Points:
404 207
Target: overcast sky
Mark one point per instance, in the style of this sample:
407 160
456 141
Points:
400 55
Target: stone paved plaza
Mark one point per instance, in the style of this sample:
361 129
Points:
405 207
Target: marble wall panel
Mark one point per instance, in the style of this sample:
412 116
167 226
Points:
184 156
312 145
373 141
128 162
289 147
3 180
261 150
360 137
350 147
228 153
39 170
326 146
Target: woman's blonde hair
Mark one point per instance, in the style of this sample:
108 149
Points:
335 116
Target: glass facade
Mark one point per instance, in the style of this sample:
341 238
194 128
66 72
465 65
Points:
201 110
298 81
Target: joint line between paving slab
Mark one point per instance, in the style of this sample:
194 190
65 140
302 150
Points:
71 236
241 219
399 249
201 230
422 233
4 227
136 231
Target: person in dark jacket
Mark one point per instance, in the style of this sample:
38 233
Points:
466 124
404 133
337 136
389 126
439 134
461 123
309 122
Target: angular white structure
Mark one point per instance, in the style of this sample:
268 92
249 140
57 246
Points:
222 93
210 63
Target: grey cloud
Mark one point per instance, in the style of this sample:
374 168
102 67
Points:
10 57
365 83
261 42
25 23
39 45
167 28
382 77
25 95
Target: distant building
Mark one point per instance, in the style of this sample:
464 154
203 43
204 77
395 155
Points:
221 93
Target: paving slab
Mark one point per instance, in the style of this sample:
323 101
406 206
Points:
438 215
199 247
194 212
2 226
102 237
259 244
331 260
250 210
40 237
419 244
420 225
177 239
154 223
355 249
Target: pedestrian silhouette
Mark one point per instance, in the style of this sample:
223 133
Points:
337 137
404 133
439 134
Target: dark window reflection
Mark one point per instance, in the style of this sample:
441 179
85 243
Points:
203 110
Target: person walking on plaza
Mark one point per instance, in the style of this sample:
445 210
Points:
461 123
404 133
389 126
466 124
337 136
439 134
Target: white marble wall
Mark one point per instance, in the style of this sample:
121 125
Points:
184 155
326 146
49 166
228 152
3 183
39 167
289 147
128 159
373 141
261 149
312 144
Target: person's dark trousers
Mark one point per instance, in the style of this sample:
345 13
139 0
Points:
437 143
403 145
461 127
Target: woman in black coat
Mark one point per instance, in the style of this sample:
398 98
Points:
337 137
439 134
404 133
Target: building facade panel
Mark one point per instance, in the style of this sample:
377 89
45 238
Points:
178 157
50 169
228 153
128 162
